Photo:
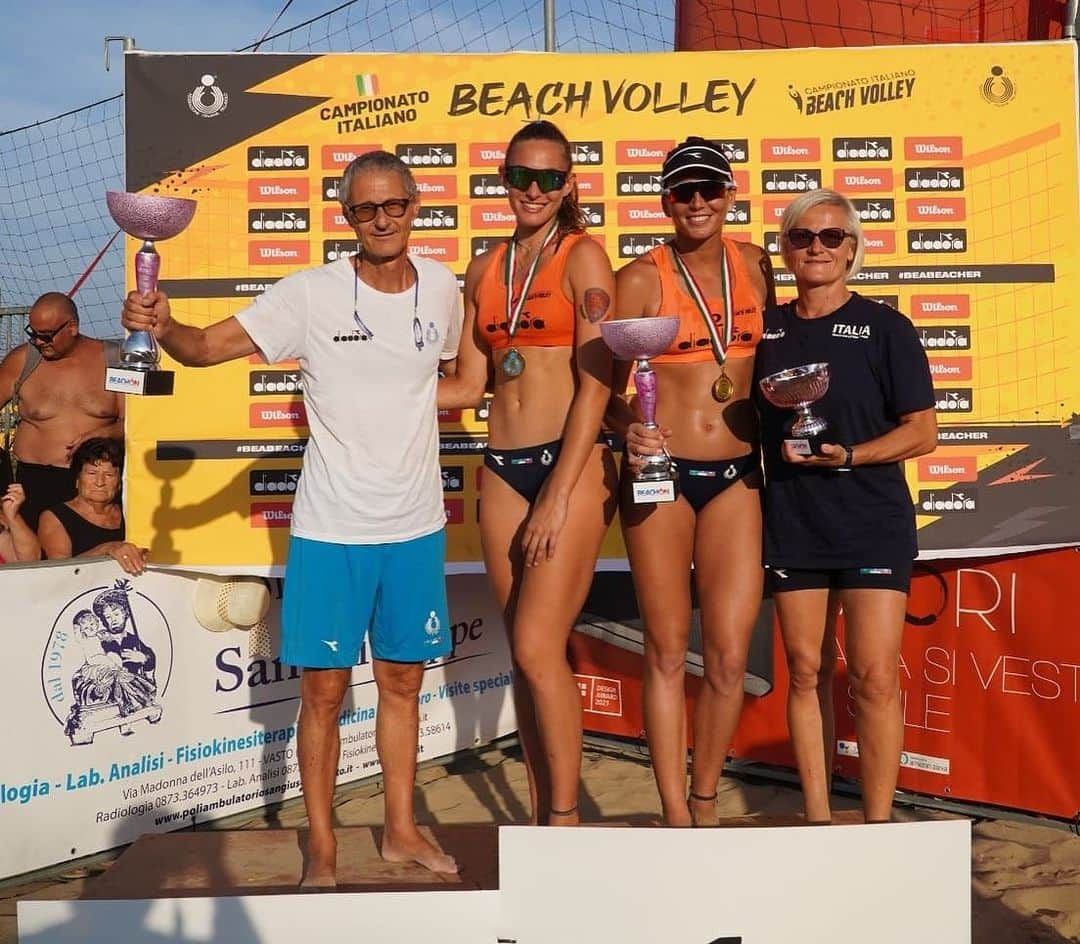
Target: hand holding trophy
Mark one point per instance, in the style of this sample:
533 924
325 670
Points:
795 389
148 218
638 339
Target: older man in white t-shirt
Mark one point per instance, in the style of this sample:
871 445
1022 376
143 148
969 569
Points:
368 544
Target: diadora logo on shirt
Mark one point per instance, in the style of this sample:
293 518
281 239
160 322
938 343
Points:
772 334
855 332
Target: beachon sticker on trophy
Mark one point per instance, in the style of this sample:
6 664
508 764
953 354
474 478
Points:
149 218
638 339
796 389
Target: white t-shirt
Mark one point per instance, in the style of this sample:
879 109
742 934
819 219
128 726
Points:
371 467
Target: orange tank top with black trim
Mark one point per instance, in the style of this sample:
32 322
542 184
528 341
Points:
692 343
547 318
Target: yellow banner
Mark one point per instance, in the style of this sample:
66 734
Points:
962 161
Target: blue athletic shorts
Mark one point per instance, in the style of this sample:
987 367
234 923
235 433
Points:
338 594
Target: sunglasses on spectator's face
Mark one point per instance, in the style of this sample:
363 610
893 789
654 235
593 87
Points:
709 190
45 337
366 212
831 238
521 178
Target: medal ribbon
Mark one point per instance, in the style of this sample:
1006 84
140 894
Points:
513 309
720 343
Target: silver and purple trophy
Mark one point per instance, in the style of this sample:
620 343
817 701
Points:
795 389
638 339
148 218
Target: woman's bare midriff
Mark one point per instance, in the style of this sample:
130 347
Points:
532 408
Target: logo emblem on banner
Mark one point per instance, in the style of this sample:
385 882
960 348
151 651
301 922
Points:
207 100
998 89
107 662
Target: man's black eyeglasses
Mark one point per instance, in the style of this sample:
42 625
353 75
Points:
709 190
521 178
45 337
366 212
831 238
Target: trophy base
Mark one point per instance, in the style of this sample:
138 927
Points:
655 491
808 445
146 383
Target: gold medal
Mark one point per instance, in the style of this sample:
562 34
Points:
722 389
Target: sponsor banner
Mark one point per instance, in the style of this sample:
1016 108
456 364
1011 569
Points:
987 289
135 719
986 676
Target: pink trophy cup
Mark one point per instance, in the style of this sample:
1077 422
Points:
638 339
148 218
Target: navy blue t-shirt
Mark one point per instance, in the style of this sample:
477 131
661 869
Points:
878 371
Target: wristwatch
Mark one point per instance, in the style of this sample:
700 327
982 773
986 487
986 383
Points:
849 456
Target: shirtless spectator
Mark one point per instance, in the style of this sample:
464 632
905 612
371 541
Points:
57 381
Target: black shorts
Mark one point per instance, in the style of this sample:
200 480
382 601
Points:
874 576
45 485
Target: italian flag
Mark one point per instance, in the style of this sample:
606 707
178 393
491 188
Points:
367 84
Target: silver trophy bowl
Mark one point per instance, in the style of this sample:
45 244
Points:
795 389
638 339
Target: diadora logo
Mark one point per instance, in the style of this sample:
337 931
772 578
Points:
893 301
278 253
453 478
863 180
270 514
940 306
772 243
334 249
642 152
862 149
633 184
436 217
207 99
587 152
934 178
481 244
875 210
340 156
953 469
954 400
739 214
632 245
937 240
790 150
736 150
427 155
278 158
277 481
790 181
773 334
278 191
289 413
593 213
486 186
330 188
105 668
270 382
954 337
855 332
934 149
936 502
294 219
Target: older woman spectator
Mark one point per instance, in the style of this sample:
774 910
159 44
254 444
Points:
17 541
839 520
92 523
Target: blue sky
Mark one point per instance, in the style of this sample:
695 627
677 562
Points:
53 50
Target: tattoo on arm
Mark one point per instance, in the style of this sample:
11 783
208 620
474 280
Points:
595 305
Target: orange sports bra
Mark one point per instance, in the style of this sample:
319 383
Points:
692 342
547 319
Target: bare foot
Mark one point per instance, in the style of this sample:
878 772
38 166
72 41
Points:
415 848
703 810
320 864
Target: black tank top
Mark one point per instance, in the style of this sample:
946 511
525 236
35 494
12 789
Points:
85 534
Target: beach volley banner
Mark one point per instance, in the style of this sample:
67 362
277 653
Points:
127 717
989 682
961 160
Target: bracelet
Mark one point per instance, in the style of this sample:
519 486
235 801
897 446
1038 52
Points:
849 457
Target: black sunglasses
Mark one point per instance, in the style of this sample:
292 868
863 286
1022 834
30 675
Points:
831 237
709 190
366 212
521 178
45 337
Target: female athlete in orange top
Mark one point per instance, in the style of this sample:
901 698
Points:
532 313
718 289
